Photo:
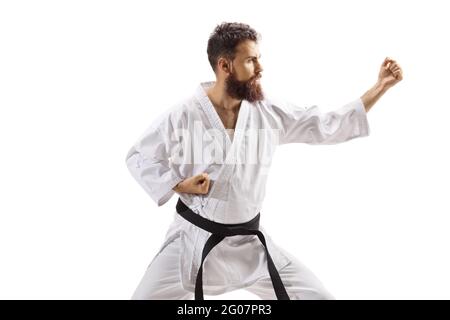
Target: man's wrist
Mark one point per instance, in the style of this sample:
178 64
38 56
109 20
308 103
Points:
381 87
177 188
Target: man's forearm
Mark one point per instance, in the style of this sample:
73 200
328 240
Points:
372 95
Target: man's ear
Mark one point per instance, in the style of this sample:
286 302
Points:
225 65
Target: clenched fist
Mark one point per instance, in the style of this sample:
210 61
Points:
198 184
390 73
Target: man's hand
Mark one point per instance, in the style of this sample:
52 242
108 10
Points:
198 184
390 73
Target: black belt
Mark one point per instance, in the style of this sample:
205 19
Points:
218 232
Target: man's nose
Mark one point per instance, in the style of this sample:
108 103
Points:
259 68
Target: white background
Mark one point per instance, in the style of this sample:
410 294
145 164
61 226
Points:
80 81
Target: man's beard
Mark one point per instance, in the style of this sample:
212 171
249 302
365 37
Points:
249 90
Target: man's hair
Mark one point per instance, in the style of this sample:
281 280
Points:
225 38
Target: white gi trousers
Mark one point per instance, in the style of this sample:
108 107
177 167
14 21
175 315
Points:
162 280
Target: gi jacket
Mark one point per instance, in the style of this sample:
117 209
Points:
190 138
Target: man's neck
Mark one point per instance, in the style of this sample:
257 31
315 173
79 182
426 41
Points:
221 100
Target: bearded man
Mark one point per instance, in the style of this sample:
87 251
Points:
214 150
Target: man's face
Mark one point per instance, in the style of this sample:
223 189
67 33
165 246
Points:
243 80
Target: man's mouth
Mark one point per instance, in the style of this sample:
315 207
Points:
257 78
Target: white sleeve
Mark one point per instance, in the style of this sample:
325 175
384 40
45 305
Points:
311 126
148 162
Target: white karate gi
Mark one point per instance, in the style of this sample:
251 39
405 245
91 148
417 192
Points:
236 192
